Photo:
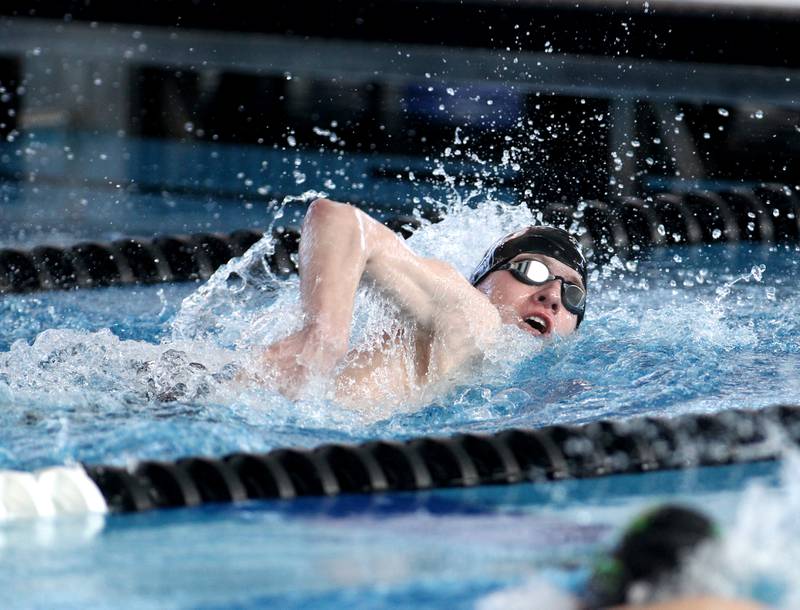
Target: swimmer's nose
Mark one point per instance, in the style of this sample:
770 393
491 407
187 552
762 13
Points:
549 295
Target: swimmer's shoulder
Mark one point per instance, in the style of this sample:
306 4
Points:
466 319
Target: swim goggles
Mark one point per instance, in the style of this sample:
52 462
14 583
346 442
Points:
536 273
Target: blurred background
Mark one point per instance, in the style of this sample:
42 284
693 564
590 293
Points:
192 115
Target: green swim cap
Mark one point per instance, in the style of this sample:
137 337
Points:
651 550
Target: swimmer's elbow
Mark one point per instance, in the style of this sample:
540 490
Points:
327 211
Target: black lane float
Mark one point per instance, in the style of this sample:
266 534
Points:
596 449
625 226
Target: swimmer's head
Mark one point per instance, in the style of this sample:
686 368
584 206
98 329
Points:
648 557
537 278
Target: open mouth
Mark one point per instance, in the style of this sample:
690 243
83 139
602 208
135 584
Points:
537 324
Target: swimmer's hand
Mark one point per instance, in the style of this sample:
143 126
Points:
305 355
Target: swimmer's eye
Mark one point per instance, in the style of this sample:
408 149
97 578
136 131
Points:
537 273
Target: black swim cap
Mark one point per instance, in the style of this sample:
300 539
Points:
550 241
652 550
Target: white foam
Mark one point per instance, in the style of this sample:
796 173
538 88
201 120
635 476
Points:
534 593
758 552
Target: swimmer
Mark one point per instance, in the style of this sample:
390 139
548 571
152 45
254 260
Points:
534 279
648 560
643 572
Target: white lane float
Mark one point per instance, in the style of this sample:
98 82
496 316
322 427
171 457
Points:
59 490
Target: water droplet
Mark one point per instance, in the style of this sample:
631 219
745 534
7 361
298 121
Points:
759 114
716 233
723 111
677 258
661 230
235 282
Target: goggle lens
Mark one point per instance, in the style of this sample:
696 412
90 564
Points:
536 273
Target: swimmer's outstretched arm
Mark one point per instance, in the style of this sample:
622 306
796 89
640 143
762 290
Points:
339 245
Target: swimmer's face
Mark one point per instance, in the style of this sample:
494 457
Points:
535 309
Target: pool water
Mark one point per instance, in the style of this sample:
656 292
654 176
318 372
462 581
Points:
58 187
123 373
119 374
487 547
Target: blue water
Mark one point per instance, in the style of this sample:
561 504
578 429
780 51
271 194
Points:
58 187
111 376
95 382
437 549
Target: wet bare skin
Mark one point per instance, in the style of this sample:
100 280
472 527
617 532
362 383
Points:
518 302
448 321
697 603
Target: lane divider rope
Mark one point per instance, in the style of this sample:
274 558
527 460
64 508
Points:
596 449
623 226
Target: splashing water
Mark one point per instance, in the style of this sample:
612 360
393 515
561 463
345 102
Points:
758 554
661 337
